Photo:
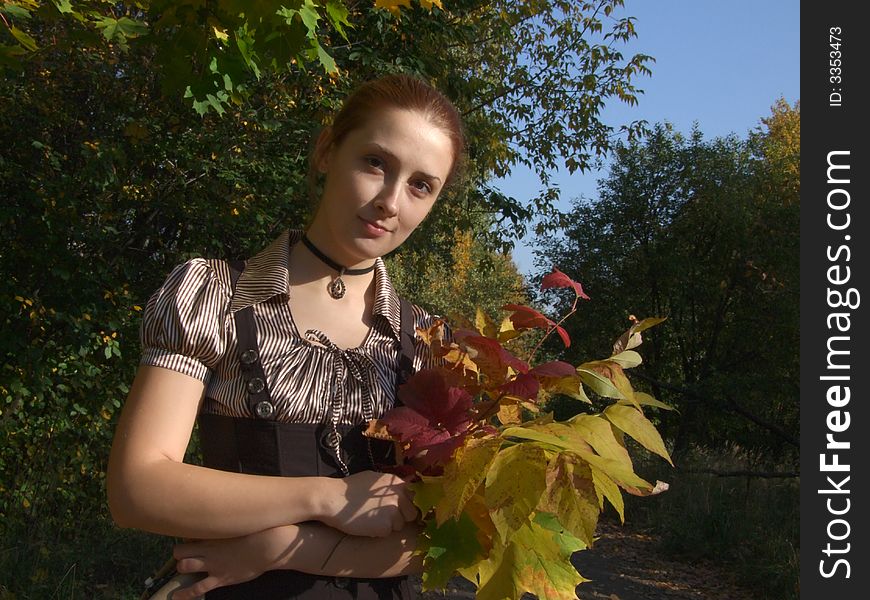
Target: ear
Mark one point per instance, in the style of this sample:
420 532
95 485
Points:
323 150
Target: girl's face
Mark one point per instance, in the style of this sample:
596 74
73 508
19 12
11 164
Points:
382 179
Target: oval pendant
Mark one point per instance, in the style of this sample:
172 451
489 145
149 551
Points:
336 288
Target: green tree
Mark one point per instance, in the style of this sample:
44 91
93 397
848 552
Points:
112 172
704 233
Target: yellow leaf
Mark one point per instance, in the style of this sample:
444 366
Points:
511 499
632 422
509 414
220 34
428 4
393 5
464 474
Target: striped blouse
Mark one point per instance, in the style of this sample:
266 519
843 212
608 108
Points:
188 327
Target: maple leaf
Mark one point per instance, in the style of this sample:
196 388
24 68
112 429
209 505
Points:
511 499
464 474
571 495
433 421
537 559
490 356
557 279
523 386
524 317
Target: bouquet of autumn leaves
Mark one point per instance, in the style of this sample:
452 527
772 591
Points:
506 492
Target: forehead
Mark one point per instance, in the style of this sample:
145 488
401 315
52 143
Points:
409 135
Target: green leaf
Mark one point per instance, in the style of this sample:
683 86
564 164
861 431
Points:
14 10
326 60
631 421
63 6
24 39
338 13
464 474
599 384
514 484
627 359
309 16
612 372
450 546
427 493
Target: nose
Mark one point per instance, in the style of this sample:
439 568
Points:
387 201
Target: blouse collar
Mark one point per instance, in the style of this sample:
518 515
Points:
267 275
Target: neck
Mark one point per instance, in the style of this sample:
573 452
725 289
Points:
305 267
325 242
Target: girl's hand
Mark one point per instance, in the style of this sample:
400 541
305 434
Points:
230 561
369 504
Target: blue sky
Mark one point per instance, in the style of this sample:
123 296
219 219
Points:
720 64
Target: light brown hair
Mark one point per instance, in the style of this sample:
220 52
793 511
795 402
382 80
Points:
394 91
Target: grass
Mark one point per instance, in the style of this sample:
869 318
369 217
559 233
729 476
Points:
92 560
748 524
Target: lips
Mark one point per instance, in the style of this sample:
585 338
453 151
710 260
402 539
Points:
375 226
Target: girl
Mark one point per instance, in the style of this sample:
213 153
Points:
281 360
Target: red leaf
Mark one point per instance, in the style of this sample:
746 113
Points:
557 368
558 279
434 419
523 386
526 318
427 393
490 356
564 335
405 423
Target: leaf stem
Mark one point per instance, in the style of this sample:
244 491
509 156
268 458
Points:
553 328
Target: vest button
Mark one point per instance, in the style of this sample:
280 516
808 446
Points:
264 409
256 385
249 357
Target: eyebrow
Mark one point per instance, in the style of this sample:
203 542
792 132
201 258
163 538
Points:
394 157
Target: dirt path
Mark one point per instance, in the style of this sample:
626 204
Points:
626 565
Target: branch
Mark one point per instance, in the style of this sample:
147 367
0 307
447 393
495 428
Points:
695 397
762 474
762 423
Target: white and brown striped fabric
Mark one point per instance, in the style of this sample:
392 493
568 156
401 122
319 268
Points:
188 327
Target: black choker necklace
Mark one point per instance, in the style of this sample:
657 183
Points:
336 287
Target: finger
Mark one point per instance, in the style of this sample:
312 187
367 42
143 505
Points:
191 565
408 509
398 521
197 590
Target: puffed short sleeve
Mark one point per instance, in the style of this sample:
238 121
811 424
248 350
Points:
184 323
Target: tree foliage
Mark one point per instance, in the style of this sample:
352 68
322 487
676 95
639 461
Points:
704 232
136 135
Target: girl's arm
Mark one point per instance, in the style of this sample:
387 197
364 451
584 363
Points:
309 547
150 488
